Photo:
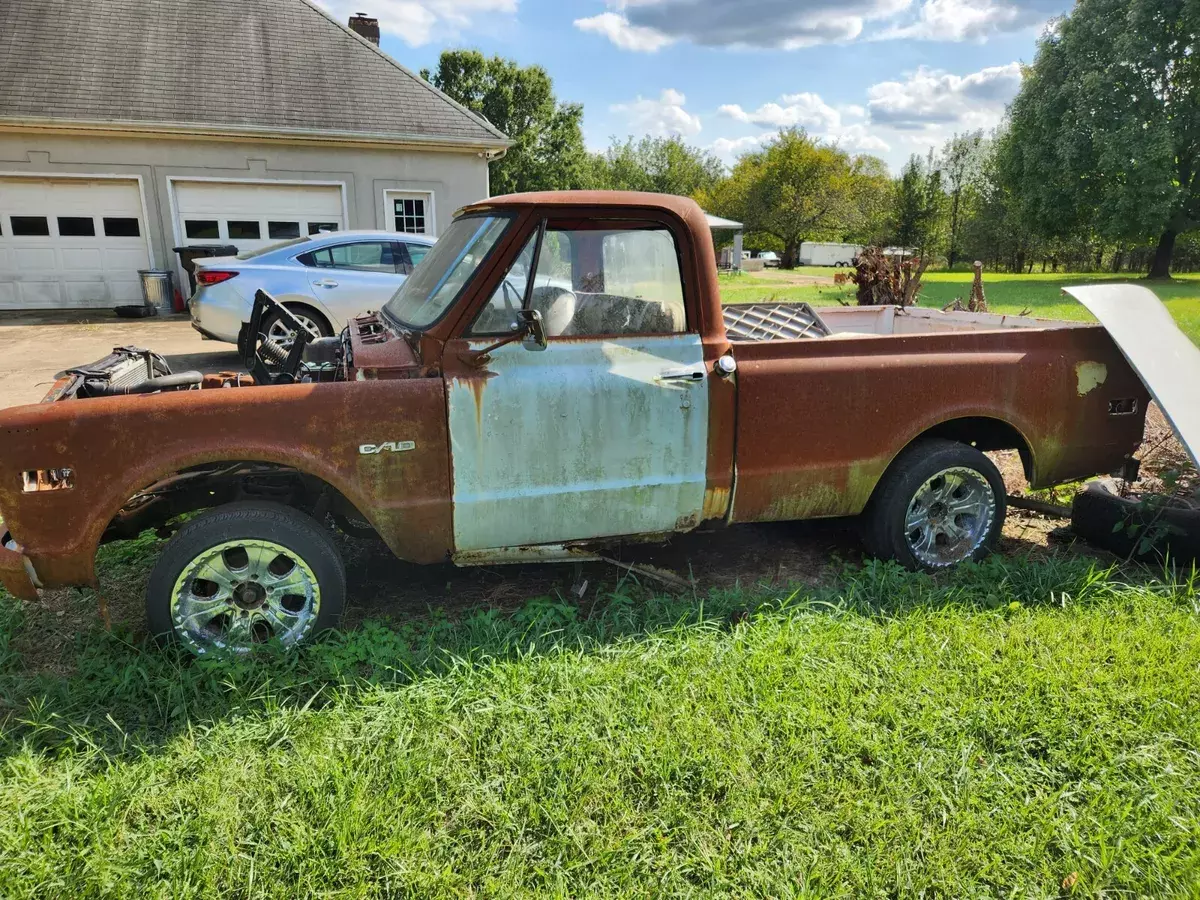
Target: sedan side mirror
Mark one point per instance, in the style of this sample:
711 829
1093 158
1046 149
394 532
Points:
529 323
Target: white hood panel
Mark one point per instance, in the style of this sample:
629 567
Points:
1162 355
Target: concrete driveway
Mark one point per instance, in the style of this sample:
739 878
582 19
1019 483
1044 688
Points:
36 346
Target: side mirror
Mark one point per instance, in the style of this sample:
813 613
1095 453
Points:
529 322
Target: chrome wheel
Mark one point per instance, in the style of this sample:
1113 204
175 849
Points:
950 517
280 334
241 594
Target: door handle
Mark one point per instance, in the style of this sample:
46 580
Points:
325 283
683 373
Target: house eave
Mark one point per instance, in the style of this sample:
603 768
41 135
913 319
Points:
203 131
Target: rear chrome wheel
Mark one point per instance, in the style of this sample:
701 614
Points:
243 576
940 503
950 517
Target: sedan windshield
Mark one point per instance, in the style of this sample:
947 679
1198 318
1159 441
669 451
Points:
436 283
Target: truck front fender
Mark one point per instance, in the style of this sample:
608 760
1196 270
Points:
115 447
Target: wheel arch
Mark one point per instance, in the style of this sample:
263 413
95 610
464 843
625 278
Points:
983 432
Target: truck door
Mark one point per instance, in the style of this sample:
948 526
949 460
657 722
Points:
603 433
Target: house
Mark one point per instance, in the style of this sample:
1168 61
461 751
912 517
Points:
131 127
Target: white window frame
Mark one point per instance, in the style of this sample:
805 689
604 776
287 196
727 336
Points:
390 195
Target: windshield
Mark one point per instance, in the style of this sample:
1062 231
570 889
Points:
271 248
436 283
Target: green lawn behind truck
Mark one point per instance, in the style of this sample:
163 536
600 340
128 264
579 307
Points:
1041 294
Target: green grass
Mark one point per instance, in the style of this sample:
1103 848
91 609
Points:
989 733
1039 293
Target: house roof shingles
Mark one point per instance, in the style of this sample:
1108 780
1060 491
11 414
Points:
231 65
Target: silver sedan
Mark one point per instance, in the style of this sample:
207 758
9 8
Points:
324 280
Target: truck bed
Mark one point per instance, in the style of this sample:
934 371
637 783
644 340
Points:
799 321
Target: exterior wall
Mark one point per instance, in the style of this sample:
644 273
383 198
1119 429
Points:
455 178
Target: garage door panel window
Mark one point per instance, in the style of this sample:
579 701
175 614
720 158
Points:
363 257
244 230
202 229
322 227
30 226
121 226
410 216
76 226
283 231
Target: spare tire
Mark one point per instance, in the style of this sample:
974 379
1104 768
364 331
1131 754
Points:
1136 528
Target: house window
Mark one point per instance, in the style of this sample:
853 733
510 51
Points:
245 231
30 226
199 229
76 226
118 226
322 227
410 216
282 231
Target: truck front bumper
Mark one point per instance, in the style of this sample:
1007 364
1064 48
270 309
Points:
16 574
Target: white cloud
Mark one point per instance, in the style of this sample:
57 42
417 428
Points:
418 22
662 117
962 20
648 25
806 110
628 37
729 149
933 99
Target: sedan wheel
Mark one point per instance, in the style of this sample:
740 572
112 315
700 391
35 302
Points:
278 331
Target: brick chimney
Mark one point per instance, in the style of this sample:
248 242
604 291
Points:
364 25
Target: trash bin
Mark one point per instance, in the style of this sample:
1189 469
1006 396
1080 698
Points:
189 255
158 288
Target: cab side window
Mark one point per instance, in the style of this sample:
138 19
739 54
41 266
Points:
367 256
594 282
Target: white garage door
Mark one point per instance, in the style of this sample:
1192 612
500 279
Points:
70 242
249 216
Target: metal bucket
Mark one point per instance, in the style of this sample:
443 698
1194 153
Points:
158 288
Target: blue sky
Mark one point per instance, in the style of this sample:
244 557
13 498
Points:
888 77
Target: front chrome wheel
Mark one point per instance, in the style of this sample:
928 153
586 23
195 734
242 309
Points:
949 517
244 593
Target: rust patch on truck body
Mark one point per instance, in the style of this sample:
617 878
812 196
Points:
820 421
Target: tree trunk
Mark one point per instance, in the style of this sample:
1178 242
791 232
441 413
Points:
1161 266
791 254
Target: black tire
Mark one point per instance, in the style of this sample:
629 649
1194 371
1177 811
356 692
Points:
896 496
303 312
317 570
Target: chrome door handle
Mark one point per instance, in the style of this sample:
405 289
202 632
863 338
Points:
325 283
683 373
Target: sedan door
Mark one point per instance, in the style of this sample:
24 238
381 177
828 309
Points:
352 278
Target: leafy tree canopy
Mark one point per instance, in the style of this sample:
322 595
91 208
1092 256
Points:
548 150
1105 133
660 165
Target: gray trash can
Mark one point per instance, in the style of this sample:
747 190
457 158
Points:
158 288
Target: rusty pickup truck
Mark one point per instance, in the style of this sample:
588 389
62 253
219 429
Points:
557 375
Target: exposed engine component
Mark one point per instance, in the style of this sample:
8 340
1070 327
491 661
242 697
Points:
175 382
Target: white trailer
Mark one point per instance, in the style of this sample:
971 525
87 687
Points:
816 253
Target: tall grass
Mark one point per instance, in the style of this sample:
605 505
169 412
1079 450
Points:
1001 731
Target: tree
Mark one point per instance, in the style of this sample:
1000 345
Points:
794 189
919 204
548 151
659 165
960 161
1105 132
